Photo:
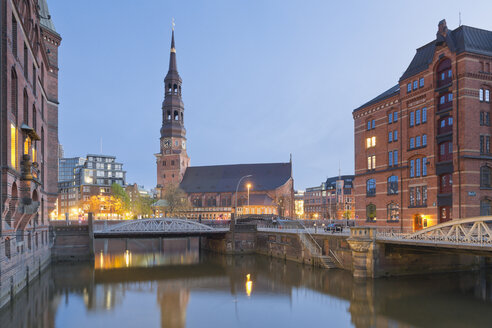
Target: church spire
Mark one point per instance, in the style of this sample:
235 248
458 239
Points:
173 67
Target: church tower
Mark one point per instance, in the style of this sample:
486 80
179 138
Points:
172 160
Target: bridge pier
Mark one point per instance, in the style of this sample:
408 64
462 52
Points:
362 242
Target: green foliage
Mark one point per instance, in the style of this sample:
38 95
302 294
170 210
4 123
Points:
119 193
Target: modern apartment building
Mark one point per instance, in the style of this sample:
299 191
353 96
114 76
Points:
81 178
422 148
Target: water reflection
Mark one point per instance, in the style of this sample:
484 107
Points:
174 285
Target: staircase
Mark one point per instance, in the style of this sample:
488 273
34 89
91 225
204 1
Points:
325 261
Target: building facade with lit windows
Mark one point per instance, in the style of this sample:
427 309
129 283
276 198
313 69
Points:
83 177
333 199
28 139
211 189
422 148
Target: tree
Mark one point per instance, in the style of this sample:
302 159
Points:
143 205
177 200
99 204
119 193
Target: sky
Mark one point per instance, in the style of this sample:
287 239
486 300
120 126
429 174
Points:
262 79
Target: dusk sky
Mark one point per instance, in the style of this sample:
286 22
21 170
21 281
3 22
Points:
261 79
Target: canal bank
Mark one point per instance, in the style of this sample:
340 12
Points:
358 252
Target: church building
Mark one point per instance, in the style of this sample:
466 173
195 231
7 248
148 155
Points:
262 189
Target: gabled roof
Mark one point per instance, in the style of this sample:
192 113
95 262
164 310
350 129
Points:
260 200
224 178
387 94
463 39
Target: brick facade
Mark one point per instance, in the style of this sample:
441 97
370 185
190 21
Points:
429 173
29 140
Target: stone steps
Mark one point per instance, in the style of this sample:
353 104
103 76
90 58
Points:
327 262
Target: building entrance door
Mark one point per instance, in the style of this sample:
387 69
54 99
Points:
418 223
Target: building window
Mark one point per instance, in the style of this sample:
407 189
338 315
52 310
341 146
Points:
485 177
371 162
412 143
412 119
446 151
421 82
393 185
371 212
395 157
480 94
26 108
445 101
390 158
409 87
26 68
14 36
485 208
424 140
424 114
395 135
446 183
14 94
417 141
13 146
390 136
417 167
373 124
7 248
412 196
417 117
446 125
390 118
424 166
371 187
393 211
371 142
412 168
484 145
485 118
444 73
395 117
487 95
415 85
368 125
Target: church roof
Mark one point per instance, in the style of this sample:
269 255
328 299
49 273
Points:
45 18
224 178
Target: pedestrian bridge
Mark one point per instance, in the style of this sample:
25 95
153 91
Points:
473 233
158 227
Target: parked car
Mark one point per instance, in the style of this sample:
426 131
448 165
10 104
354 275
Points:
334 227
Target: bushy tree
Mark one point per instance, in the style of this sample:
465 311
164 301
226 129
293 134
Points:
119 193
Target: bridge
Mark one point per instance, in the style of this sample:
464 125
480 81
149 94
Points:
159 227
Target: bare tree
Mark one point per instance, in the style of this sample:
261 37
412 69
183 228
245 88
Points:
176 199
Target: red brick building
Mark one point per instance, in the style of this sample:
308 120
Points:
28 139
422 148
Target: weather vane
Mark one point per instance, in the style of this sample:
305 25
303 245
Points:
174 24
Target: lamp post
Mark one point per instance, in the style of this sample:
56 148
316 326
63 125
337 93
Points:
248 186
237 187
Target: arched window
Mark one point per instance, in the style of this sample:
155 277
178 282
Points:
444 72
176 116
371 187
393 211
169 88
182 120
7 248
14 96
446 183
485 208
371 212
393 185
168 115
14 36
26 108
175 87
485 177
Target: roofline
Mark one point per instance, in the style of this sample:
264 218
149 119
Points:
189 167
369 103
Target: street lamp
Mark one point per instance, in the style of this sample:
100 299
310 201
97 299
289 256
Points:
248 186
237 187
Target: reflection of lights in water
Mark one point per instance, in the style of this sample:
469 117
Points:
127 257
101 260
108 299
249 285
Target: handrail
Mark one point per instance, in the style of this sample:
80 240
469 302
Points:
336 257
320 249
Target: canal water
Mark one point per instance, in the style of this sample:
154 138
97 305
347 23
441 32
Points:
170 283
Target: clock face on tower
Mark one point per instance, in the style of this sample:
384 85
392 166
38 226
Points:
184 144
167 143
